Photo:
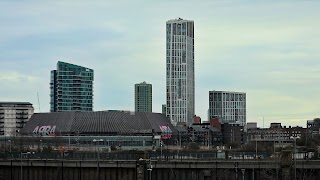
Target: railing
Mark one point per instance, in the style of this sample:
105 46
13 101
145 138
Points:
22 117
21 113
124 156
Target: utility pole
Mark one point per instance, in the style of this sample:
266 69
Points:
208 138
150 169
21 153
256 147
294 156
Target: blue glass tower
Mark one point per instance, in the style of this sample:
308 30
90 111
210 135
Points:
71 88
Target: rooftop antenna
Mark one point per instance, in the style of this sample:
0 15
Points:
38 102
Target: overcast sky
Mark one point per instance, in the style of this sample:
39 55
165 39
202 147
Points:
268 49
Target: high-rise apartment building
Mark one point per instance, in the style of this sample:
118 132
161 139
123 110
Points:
143 97
13 116
180 71
229 107
71 88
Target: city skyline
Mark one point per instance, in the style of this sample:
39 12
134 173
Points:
267 49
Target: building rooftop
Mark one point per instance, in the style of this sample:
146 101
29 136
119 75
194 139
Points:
181 128
179 19
23 103
99 122
73 65
143 83
15 104
227 92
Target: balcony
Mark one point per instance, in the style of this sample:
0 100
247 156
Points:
21 121
19 126
22 117
21 113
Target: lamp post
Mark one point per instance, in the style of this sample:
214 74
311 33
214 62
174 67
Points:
161 144
208 138
294 155
96 141
243 170
167 140
180 139
150 169
256 147
41 145
10 144
236 168
21 163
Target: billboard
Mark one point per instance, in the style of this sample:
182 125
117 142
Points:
166 132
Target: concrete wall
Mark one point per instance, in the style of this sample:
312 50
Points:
161 170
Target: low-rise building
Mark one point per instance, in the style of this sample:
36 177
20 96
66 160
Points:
13 116
232 133
252 125
276 133
313 127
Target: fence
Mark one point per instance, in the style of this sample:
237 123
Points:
134 155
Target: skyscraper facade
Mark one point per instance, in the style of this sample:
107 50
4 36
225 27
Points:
143 97
229 107
180 71
71 88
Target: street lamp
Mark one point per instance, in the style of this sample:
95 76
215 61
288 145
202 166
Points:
294 155
41 145
208 138
150 169
236 168
167 137
97 140
10 144
243 170
256 147
161 144
21 163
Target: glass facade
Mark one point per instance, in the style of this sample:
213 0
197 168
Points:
71 88
143 97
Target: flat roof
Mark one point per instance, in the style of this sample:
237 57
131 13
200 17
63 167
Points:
227 92
15 103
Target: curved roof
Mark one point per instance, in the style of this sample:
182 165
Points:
99 122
